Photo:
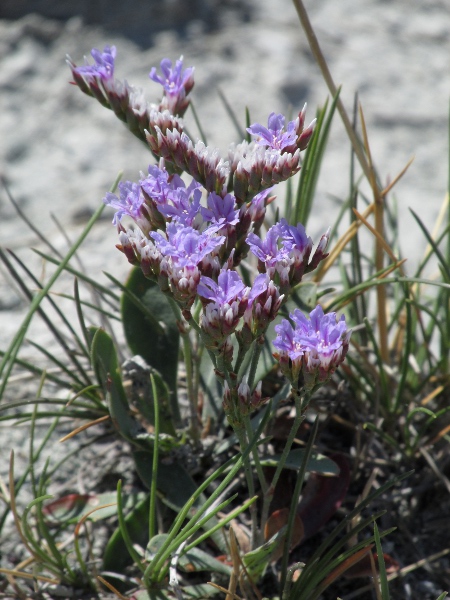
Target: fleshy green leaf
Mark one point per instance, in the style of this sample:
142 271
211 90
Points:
152 334
318 463
106 366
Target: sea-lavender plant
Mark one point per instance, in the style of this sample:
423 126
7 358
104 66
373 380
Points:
191 235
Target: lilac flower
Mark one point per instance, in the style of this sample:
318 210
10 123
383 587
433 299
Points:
264 302
267 251
224 305
221 211
257 208
130 202
186 246
314 347
229 287
176 83
156 184
140 250
179 206
286 251
170 196
103 67
274 134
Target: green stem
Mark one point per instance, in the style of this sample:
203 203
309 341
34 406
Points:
188 363
255 358
240 433
242 352
193 407
301 401
258 466
153 486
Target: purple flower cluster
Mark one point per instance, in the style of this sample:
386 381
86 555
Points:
103 66
313 348
276 137
176 83
190 237
285 253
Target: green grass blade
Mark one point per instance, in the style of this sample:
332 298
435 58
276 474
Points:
10 355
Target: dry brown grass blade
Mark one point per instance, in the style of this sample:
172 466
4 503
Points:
385 246
375 578
432 395
397 178
13 507
111 588
439 436
420 563
320 59
24 575
88 514
339 246
378 199
236 560
343 567
225 591
84 427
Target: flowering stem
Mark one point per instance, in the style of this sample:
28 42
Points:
255 358
187 351
194 324
239 430
301 401
259 470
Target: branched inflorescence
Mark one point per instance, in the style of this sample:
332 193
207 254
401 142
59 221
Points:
191 237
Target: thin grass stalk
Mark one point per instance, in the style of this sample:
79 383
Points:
407 347
322 63
367 543
319 552
241 133
84 303
84 331
188 358
42 527
185 535
124 530
27 221
154 482
51 563
25 474
58 311
40 311
360 304
31 444
381 565
81 276
318 580
197 122
447 304
65 369
10 355
174 532
38 371
224 521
